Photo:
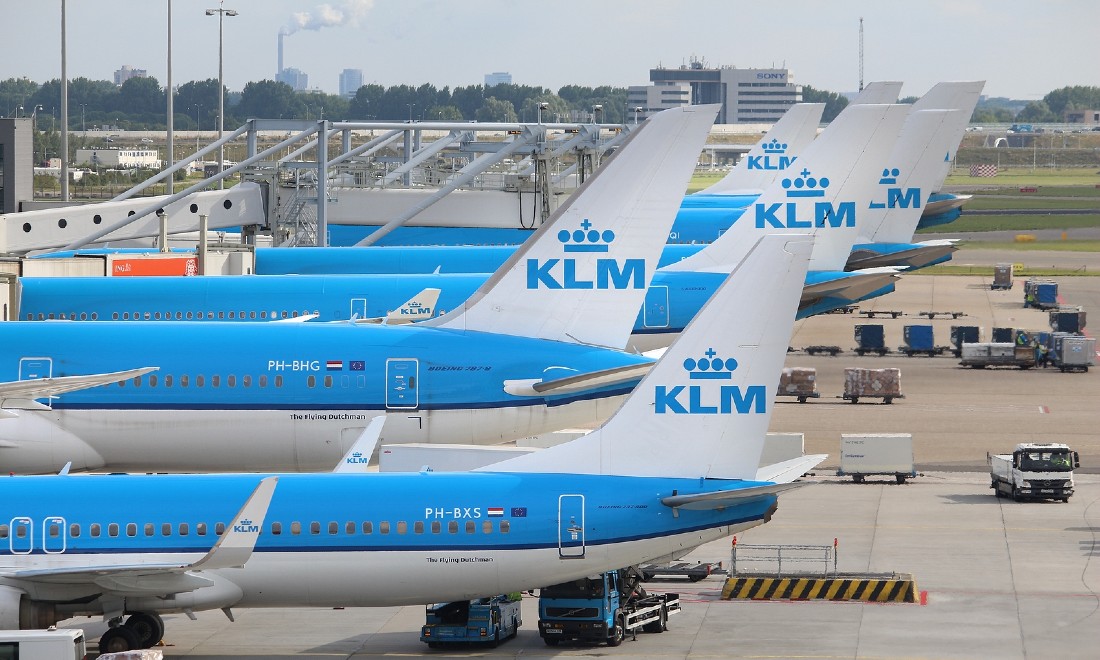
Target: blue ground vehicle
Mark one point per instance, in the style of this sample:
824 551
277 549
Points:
602 608
482 621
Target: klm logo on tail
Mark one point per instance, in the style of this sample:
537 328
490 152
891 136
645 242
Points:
357 458
416 309
784 215
710 397
564 273
774 157
244 526
896 198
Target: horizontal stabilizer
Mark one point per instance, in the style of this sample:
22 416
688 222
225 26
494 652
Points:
722 499
21 394
787 471
577 383
296 319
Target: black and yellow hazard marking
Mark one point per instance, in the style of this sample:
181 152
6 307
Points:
895 589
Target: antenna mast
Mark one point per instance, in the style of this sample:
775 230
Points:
861 53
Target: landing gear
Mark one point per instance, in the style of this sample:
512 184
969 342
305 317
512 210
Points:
118 639
148 626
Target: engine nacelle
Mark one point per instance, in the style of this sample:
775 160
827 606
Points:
18 612
41 446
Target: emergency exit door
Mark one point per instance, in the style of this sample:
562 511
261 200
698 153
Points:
401 384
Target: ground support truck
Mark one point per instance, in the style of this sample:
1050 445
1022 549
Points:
603 608
483 621
1034 471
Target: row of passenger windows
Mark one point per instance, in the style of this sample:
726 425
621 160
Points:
176 316
246 380
20 529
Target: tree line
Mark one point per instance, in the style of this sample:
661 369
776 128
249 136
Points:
139 103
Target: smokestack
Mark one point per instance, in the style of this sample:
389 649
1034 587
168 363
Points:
281 35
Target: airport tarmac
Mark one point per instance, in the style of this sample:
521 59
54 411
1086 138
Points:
998 578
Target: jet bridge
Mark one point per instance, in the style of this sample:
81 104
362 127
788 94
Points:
298 177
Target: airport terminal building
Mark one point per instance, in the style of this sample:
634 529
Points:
748 96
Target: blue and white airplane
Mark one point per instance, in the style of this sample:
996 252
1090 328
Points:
887 239
536 348
674 468
674 296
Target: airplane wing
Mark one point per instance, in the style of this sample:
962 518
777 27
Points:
722 499
578 382
21 394
232 549
358 457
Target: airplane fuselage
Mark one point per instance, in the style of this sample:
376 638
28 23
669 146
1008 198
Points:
353 540
287 396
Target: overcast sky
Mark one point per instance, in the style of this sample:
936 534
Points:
1022 48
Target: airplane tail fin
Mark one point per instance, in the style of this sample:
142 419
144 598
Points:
582 277
420 307
832 185
703 410
878 92
960 95
778 149
910 174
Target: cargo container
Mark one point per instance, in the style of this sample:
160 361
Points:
870 338
1003 335
1002 277
1067 319
866 454
1041 294
1072 352
980 355
920 339
779 447
872 383
964 334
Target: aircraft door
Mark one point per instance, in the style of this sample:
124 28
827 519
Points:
357 308
53 535
402 382
31 368
655 311
571 526
21 535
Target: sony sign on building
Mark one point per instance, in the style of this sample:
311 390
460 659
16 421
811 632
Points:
748 96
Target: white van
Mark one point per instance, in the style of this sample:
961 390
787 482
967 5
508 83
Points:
52 644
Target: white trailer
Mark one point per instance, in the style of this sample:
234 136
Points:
1034 471
50 644
866 454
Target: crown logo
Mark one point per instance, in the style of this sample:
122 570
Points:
805 185
357 454
889 176
710 367
775 147
245 521
586 239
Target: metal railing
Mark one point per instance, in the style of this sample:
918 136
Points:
774 559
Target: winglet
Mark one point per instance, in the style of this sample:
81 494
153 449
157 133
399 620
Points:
358 457
418 308
236 543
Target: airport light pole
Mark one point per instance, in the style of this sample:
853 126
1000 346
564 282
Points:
222 12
